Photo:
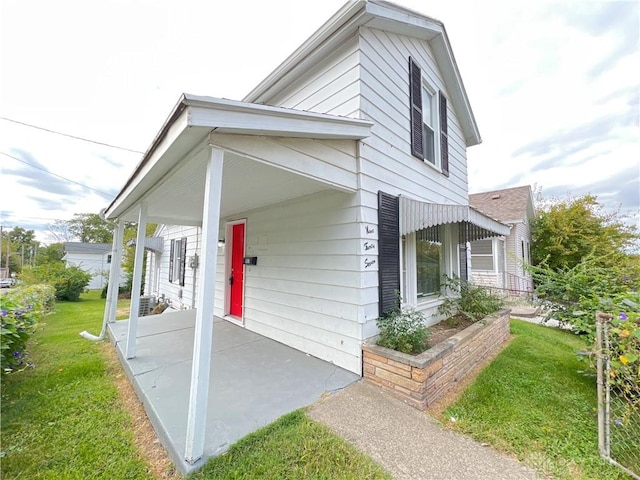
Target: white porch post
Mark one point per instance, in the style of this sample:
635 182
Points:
114 273
137 282
203 336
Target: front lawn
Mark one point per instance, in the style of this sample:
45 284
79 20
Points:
63 418
293 447
535 400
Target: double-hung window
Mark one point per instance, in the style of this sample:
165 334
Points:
429 131
178 260
429 125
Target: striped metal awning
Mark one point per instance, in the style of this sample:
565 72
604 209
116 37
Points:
474 225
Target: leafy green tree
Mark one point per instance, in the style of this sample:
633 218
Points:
89 227
565 232
50 253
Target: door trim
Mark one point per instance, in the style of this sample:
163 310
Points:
227 270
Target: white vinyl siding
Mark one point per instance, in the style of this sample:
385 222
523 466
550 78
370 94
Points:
387 163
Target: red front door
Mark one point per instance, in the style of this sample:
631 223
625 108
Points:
236 279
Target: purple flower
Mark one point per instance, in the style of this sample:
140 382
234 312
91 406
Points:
618 421
622 316
3 313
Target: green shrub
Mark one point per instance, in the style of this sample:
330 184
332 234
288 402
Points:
403 330
464 298
574 295
69 282
20 312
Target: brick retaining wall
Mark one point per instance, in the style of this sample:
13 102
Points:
420 380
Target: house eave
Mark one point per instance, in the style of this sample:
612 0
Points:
195 117
381 15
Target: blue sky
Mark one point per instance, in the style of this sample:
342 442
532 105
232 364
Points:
554 86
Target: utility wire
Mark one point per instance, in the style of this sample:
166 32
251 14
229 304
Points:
105 194
70 136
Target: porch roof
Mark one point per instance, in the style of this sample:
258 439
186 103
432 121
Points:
416 215
187 132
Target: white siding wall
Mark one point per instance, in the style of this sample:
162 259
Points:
93 263
387 163
310 288
180 297
331 87
519 232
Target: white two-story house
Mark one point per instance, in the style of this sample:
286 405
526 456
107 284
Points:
302 211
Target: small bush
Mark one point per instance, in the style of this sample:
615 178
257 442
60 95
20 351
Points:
69 282
404 330
20 312
472 301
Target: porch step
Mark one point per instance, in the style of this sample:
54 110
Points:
525 312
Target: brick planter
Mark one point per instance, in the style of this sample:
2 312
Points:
420 380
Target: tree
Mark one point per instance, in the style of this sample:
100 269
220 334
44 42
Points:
50 254
566 231
89 227
22 246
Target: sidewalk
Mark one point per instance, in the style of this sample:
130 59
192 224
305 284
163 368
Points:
408 443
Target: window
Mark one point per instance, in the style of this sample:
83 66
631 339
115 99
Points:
429 121
177 260
429 134
482 255
428 255
109 258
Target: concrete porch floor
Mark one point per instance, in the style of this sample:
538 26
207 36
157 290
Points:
254 380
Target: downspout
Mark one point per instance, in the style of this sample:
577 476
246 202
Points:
110 288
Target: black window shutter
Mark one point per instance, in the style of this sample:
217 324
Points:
388 253
183 260
173 244
415 99
444 137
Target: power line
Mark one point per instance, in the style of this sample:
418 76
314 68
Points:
107 195
70 136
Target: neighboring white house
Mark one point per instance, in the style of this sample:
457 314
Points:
500 261
300 211
93 258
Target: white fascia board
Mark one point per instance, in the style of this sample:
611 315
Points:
239 117
165 140
449 68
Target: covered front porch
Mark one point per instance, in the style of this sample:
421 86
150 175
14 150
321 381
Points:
254 380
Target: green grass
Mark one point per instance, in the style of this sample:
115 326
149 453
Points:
62 419
293 447
536 402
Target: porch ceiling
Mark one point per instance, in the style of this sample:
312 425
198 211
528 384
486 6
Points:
271 155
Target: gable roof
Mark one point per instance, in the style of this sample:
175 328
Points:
81 247
510 205
380 15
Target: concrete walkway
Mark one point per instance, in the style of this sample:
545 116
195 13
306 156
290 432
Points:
408 443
